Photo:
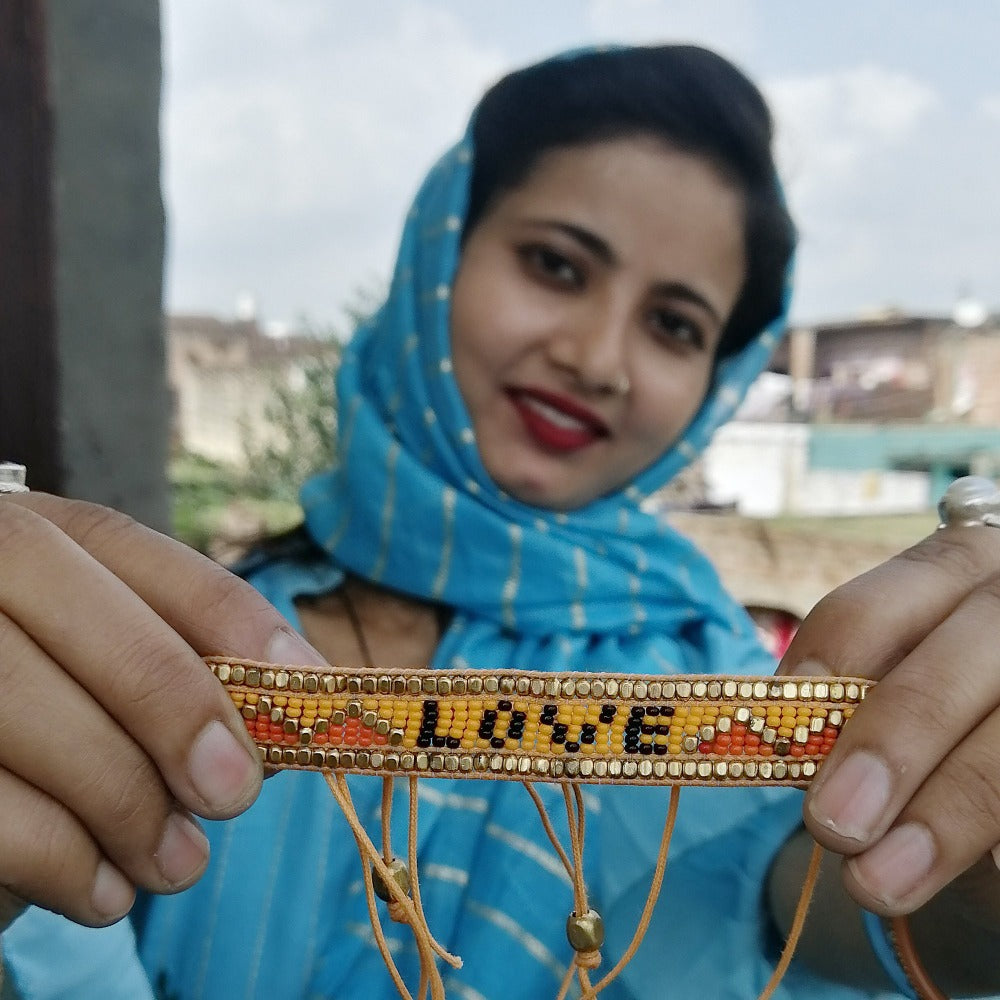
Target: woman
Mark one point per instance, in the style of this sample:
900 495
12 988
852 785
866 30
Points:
586 285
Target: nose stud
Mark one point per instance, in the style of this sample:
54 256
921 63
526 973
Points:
621 385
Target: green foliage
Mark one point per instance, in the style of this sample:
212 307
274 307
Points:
210 506
302 423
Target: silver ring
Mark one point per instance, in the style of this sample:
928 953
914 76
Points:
970 502
12 478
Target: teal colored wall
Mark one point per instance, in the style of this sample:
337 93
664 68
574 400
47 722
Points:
943 451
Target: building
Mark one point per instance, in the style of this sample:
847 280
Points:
874 415
223 376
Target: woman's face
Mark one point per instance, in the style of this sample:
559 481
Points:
586 312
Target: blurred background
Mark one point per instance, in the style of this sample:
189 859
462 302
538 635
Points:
202 197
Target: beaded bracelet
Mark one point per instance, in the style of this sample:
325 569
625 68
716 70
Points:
533 726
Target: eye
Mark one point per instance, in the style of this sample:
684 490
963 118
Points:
675 328
552 266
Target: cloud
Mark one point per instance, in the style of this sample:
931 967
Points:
294 144
990 107
831 125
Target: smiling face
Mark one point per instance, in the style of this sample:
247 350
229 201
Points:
586 312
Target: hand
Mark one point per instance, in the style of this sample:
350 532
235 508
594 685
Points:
113 732
911 792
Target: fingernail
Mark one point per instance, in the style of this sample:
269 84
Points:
221 769
183 851
852 800
290 648
112 895
897 864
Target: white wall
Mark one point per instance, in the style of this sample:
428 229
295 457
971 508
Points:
764 469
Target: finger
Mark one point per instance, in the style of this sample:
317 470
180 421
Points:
138 668
215 611
75 753
950 824
907 725
865 627
48 858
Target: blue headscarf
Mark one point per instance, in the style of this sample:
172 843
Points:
410 505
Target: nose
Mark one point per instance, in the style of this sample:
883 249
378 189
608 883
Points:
592 349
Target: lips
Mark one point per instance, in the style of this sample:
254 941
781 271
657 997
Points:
555 422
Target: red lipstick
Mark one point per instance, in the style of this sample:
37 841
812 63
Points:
556 422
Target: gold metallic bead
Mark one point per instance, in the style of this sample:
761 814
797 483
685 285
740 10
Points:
585 932
399 874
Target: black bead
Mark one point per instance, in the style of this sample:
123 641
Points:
498 743
438 741
646 748
504 706
452 742
572 748
666 710
588 737
559 738
659 748
490 714
663 730
423 741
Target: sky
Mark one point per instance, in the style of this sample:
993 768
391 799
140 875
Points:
295 133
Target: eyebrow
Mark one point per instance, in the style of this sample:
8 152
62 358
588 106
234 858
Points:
604 252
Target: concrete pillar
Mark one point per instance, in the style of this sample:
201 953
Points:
104 82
